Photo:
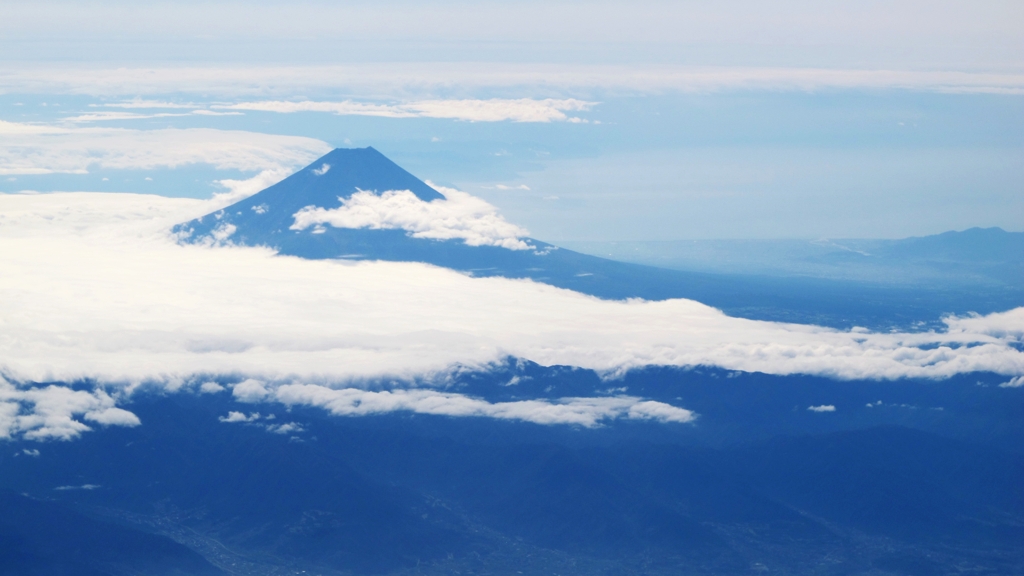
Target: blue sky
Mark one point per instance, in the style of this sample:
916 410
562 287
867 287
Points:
692 120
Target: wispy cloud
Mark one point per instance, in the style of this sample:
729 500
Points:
579 411
1016 382
143 104
459 216
492 110
43 149
107 116
506 187
82 487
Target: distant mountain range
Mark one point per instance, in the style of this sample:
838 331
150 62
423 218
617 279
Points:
978 257
824 283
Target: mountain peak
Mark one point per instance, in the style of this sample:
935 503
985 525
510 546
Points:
265 217
339 174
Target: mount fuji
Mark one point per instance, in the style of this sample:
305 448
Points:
268 218
374 231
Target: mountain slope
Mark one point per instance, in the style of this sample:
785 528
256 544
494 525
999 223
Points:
44 538
404 494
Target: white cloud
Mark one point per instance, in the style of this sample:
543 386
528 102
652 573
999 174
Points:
578 411
94 287
650 410
43 149
222 233
459 216
822 408
82 487
250 390
507 187
1008 325
112 417
239 189
1016 382
210 388
54 412
239 417
288 428
115 116
490 110
143 104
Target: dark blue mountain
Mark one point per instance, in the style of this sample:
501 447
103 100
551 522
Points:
978 259
977 244
898 488
47 538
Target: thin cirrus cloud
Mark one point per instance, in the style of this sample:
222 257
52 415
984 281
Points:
460 216
469 79
981 34
139 103
491 110
108 116
95 288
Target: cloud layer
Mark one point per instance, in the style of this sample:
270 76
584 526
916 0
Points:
471 78
44 149
94 287
983 34
459 216
473 110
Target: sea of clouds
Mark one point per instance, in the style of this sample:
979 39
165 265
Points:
94 287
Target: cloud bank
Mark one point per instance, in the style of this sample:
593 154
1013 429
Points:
459 216
45 149
94 287
492 110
